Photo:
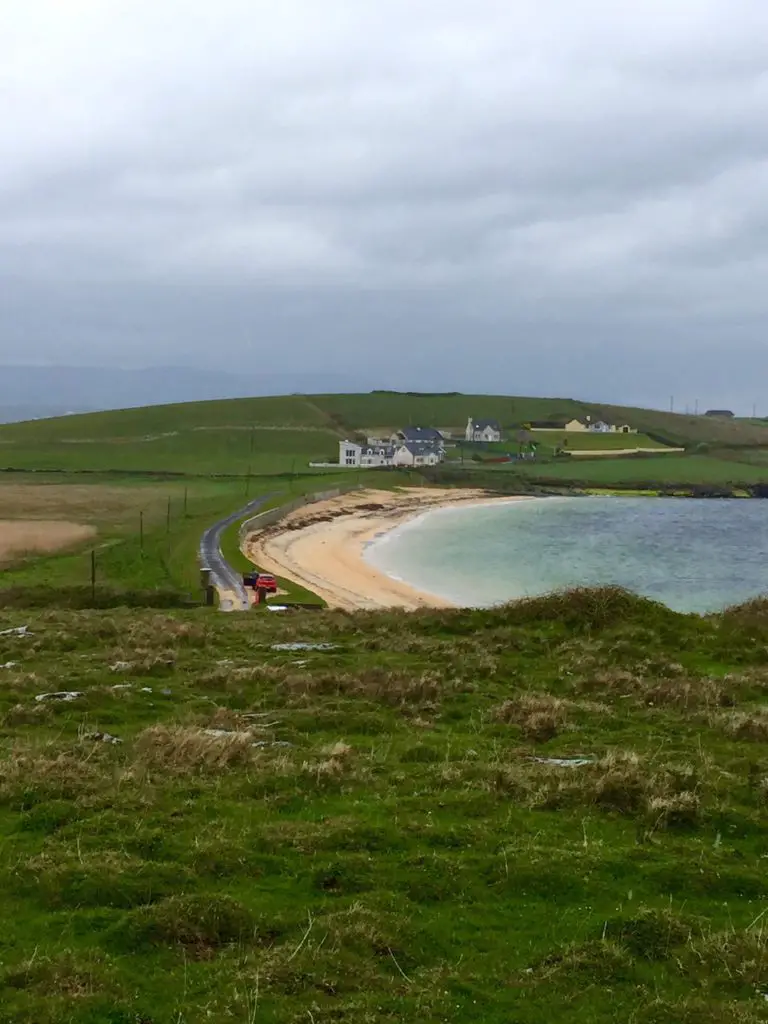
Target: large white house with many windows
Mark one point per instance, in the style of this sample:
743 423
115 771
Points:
398 451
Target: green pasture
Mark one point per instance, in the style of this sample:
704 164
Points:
216 829
662 469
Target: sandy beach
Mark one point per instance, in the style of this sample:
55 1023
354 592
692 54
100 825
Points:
321 546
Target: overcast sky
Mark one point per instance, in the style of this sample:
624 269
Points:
526 196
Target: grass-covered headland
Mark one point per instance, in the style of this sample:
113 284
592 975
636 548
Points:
212 827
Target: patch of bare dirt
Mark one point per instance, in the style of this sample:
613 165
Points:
20 537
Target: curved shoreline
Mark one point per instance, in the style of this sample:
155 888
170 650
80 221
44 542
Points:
322 545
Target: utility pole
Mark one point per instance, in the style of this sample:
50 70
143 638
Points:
671 403
186 491
754 410
696 407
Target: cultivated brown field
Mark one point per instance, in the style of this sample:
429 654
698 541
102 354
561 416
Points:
94 504
24 537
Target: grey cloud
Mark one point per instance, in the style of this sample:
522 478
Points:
454 185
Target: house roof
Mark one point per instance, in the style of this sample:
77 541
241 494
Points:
719 412
376 449
420 447
421 434
482 424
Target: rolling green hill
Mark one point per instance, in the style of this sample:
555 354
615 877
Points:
278 435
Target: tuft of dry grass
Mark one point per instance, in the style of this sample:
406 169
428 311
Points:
375 683
27 714
34 774
61 975
602 961
741 955
620 781
181 748
675 810
540 716
751 726
337 761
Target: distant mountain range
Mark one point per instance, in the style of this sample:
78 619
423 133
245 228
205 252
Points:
32 392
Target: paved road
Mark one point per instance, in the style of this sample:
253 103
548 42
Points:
223 576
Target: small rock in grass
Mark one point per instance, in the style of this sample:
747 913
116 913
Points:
304 647
103 737
120 666
62 695
565 762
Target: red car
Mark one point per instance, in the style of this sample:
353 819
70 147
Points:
261 581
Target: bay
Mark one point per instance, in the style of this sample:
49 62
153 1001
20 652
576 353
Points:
692 555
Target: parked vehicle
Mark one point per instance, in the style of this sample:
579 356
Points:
260 581
266 581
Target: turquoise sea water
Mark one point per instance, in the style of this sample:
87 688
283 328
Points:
694 555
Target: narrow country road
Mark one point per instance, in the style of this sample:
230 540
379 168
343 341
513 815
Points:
223 576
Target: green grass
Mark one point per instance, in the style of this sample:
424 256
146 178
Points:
594 442
166 559
280 435
548 442
661 469
405 857
194 452
685 430
392 410
159 420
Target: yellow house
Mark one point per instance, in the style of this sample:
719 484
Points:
574 425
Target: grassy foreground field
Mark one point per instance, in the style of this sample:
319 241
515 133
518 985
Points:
372 831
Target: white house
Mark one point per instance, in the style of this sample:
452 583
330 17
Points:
482 430
574 425
405 453
349 453
579 426
416 453
601 427
365 456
